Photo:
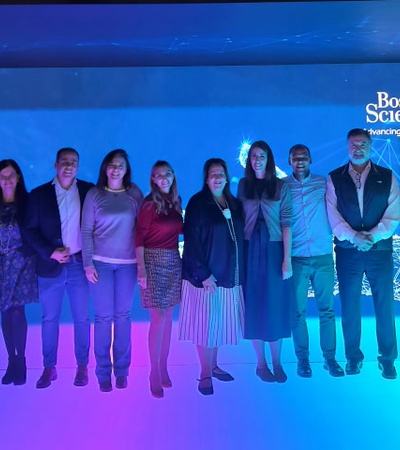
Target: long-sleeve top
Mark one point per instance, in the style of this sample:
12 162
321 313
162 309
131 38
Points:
109 225
209 248
387 224
311 232
277 212
158 230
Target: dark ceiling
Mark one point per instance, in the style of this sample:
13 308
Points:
262 33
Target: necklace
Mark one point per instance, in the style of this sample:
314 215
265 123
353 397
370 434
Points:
226 212
5 245
115 191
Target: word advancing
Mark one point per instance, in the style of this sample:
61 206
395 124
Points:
385 132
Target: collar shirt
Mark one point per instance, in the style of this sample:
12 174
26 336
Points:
359 181
69 207
311 233
389 221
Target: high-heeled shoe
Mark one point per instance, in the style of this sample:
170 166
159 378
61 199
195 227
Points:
166 381
156 389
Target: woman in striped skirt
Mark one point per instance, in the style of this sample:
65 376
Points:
159 267
212 311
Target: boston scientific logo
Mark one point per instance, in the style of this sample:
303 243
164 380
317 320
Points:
386 111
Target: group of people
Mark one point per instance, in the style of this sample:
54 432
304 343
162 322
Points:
246 267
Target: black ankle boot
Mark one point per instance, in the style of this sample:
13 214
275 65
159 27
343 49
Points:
8 377
20 370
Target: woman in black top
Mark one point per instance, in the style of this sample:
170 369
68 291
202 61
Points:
212 301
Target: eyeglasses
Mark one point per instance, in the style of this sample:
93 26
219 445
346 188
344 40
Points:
12 176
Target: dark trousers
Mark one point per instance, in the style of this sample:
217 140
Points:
377 265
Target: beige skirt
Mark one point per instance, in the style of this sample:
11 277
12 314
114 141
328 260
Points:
211 320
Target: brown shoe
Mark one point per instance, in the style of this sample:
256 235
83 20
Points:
121 382
81 377
49 374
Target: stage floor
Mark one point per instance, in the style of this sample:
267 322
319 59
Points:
353 412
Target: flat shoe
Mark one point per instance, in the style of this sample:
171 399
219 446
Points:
224 376
205 390
279 374
265 374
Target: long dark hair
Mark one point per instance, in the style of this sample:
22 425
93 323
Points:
158 199
21 194
270 179
102 180
227 189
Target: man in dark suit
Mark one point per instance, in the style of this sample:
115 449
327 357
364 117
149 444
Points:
53 228
363 207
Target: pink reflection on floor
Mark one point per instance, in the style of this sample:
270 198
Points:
318 413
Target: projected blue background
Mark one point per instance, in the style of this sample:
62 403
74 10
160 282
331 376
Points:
186 115
285 72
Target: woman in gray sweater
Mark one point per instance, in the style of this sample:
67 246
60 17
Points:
108 227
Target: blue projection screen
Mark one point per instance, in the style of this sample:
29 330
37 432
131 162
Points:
186 115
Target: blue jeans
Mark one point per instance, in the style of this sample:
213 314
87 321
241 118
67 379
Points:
72 280
319 270
112 298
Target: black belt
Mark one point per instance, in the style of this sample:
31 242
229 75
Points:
75 257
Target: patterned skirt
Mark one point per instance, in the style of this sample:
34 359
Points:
164 278
18 281
211 320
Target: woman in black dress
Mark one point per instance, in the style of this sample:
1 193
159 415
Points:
18 282
268 289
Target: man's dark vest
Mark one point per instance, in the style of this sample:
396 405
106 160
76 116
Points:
376 196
